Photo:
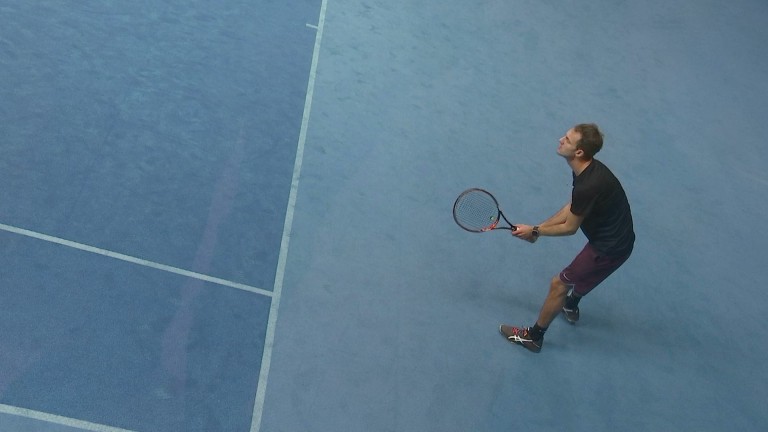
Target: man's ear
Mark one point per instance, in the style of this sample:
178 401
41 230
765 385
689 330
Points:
579 153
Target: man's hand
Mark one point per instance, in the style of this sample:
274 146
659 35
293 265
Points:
525 232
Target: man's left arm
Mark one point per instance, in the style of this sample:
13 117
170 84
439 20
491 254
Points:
569 225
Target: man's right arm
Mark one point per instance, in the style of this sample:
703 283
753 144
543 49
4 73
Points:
562 223
558 218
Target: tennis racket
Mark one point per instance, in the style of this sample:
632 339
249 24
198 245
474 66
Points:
476 210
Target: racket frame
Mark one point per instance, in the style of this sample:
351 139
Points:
494 225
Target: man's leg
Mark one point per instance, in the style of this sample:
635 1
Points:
586 271
554 302
533 337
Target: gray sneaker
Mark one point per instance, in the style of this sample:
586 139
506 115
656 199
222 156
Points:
571 315
521 336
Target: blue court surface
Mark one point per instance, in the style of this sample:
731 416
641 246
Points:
236 216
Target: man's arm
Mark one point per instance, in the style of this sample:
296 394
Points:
558 217
562 223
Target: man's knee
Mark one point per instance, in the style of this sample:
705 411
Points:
558 286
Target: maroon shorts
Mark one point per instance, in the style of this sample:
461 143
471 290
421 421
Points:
589 268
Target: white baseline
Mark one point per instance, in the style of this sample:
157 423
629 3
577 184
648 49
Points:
134 260
59 420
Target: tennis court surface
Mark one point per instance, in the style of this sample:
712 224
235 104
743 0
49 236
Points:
237 217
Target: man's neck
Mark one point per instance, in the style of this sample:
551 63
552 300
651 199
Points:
578 165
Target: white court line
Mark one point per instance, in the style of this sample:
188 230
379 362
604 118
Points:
266 359
134 260
59 420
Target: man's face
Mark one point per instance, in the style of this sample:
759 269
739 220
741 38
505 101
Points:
567 147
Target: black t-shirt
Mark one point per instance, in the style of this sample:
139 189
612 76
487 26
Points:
598 196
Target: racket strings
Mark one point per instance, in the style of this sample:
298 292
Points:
476 211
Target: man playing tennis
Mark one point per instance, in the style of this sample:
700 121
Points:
600 208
